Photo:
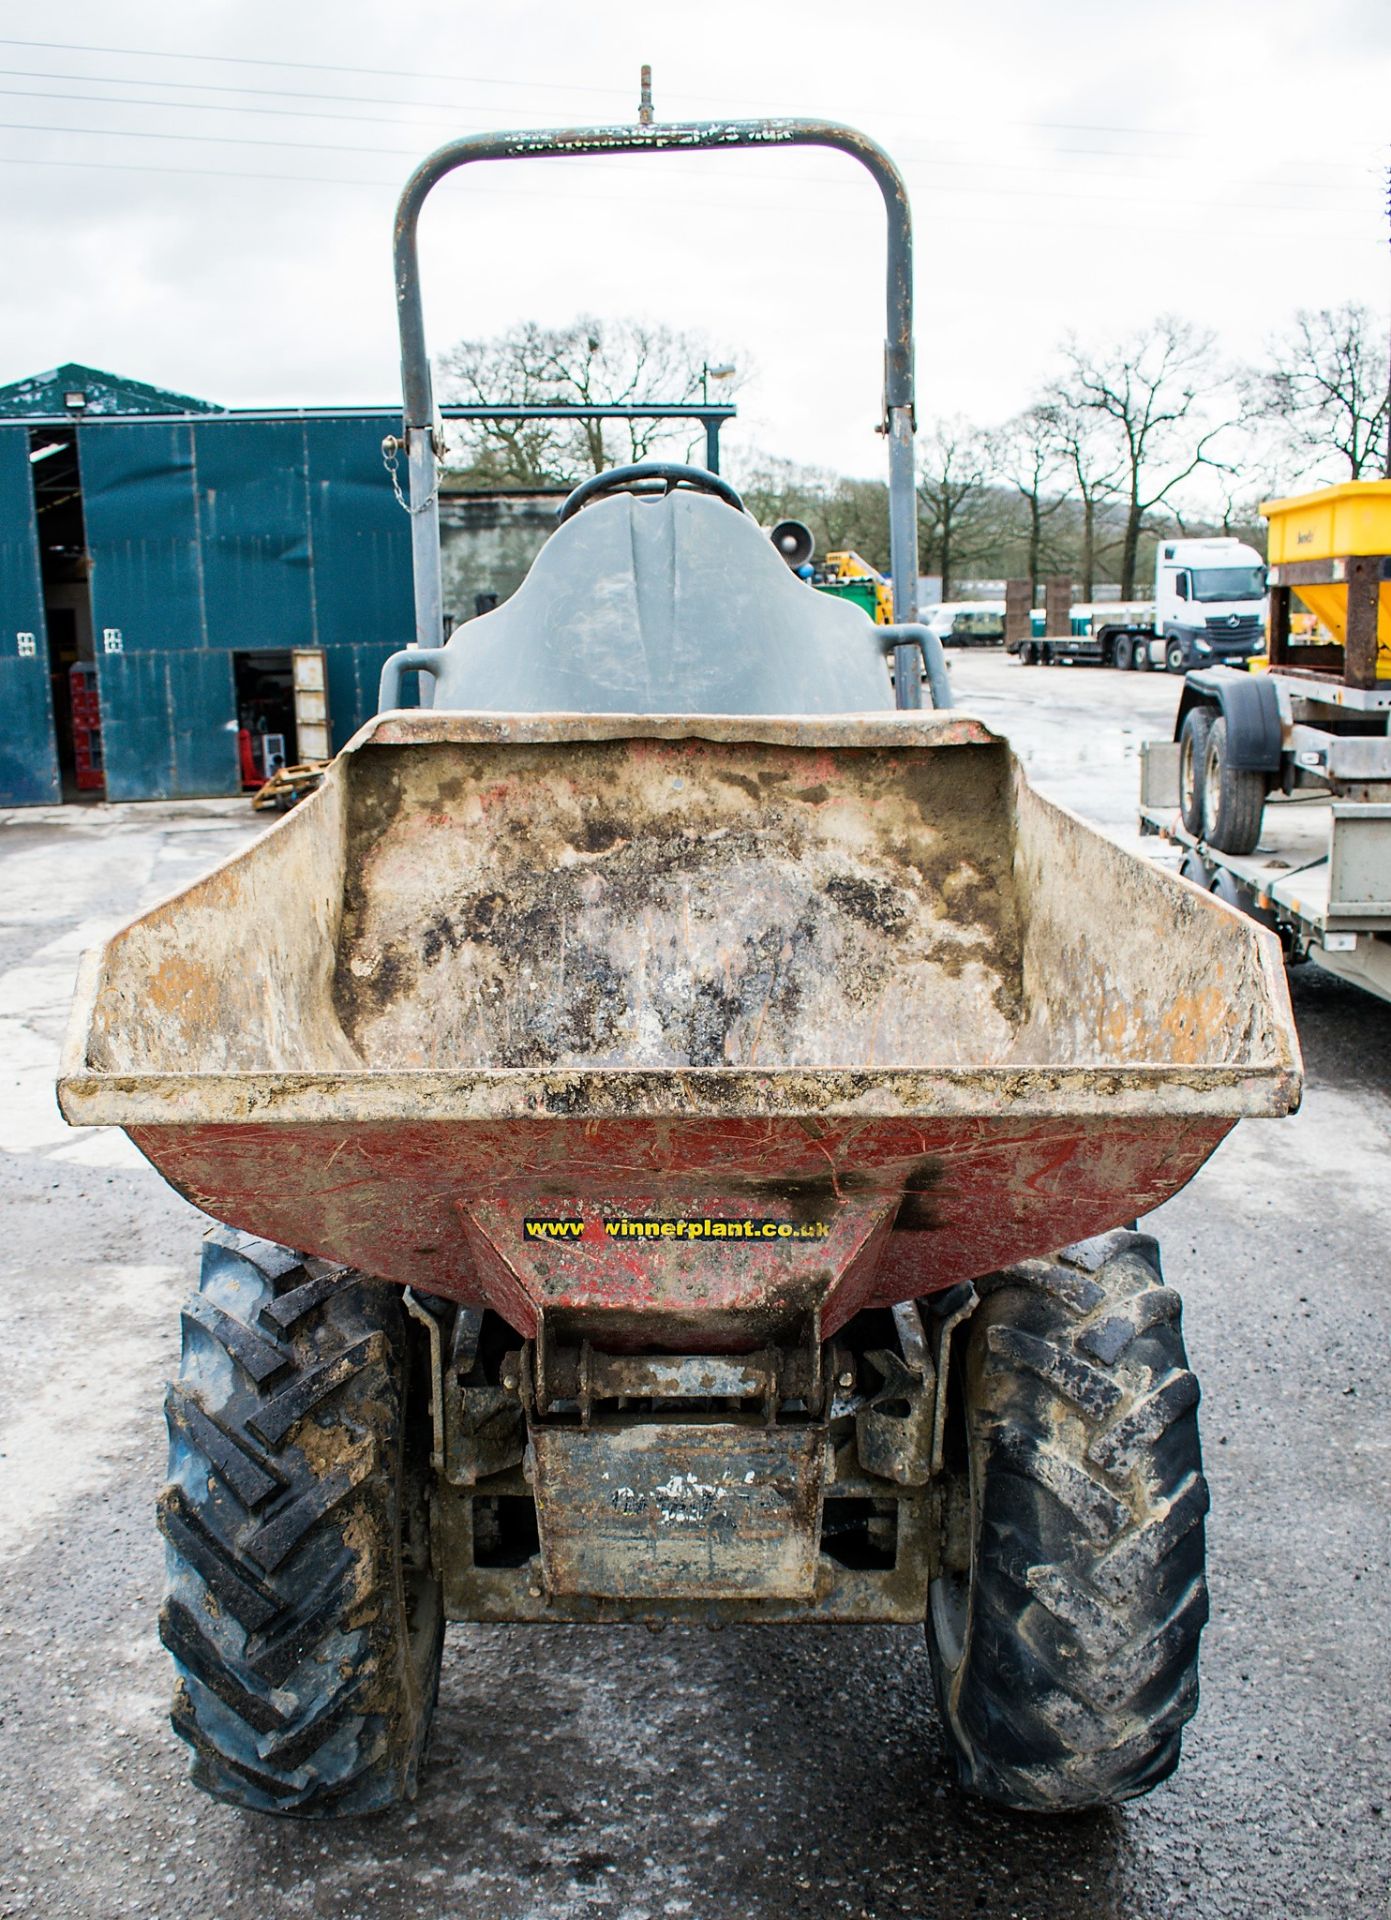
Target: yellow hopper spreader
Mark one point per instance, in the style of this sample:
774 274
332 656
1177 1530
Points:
1333 548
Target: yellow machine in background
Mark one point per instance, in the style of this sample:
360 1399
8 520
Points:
1321 543
846 573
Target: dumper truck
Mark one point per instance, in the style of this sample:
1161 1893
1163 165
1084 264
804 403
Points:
1277 785
677 1109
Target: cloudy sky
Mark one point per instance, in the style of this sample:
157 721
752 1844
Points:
201 196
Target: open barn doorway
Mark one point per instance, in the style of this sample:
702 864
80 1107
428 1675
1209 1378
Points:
266 735
65 571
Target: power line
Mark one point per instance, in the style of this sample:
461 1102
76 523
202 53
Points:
937 217
195 106
262 93
324 146
319 66
531 85
840 179
198 173
209 139
453 107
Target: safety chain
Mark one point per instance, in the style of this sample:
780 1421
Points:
392 449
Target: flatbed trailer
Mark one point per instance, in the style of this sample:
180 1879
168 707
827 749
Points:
1277 785
1317 877
1113 634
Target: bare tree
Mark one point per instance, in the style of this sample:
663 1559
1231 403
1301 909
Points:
1026 453
1147 394
1239 516
1091 463
592 362
954 487
1327 390
841 512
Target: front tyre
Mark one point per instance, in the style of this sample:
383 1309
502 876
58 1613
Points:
302 1613
1064 1615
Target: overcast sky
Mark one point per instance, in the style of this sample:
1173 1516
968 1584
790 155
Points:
201 196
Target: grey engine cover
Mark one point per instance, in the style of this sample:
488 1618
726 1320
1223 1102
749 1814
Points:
665 604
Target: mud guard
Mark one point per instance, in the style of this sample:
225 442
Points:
1250 707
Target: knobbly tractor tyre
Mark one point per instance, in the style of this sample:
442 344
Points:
1192 757
1064 1617
1233 797
301 1612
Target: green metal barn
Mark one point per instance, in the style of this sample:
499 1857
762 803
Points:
161 560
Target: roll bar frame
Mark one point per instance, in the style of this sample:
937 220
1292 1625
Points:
702 136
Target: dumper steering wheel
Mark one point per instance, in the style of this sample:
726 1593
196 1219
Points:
648 476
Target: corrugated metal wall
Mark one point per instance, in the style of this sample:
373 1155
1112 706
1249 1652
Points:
208 537
28 758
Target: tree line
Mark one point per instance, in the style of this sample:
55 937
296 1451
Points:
1123 445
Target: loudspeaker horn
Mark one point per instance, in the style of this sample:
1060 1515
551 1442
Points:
793 541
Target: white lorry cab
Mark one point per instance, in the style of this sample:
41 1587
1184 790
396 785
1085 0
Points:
1209 603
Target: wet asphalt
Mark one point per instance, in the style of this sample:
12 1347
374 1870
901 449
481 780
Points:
756 1772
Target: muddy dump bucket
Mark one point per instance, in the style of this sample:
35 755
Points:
561 1015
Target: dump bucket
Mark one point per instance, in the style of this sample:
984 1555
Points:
698 1024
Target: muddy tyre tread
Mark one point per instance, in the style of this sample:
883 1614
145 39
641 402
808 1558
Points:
1078 1670
306 1656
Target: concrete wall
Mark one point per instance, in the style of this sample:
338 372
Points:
487 543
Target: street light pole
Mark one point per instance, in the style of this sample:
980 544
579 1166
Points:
725 370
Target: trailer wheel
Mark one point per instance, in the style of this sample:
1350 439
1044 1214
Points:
305 1623
1192 756
1064 1617
1193 867
1125 652
1233 797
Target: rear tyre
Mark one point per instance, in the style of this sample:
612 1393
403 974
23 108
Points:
1125 653
1233 797
1192 755
1026 653
304 1620
1064 1618
1142 656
